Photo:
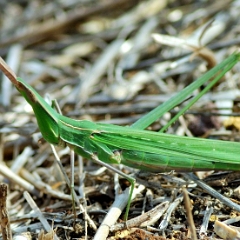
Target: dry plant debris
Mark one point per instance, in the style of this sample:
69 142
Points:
101 62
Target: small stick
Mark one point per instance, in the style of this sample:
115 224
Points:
115 211
212 191
204 226
8 173
189 214
40 215
43 187
143 220
8 72
4 218
164 223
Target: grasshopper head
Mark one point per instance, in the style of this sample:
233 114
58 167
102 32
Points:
47 117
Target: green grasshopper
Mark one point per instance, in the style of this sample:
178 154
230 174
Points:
132 146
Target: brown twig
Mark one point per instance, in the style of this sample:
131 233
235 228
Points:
189 214
4 218
8 72
143 220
